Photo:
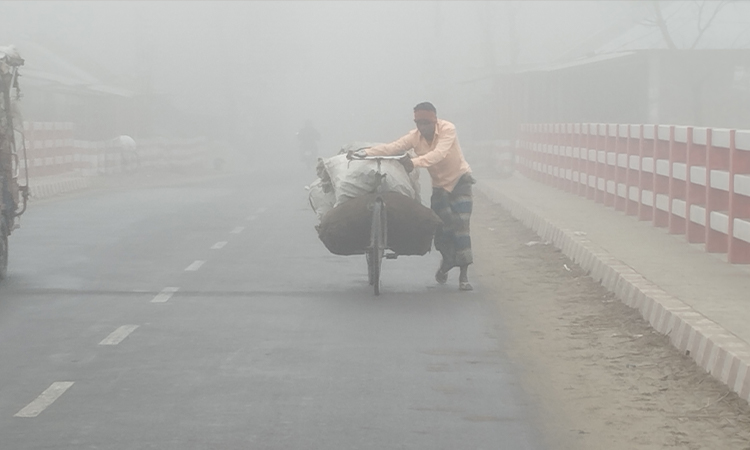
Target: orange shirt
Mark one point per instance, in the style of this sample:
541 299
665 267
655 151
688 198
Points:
443 157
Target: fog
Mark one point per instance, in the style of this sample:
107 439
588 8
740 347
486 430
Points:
262 68
178 208
253 72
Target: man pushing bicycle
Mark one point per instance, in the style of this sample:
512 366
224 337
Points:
437 148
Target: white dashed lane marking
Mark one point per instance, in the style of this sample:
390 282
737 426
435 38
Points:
45 399
237 230
252 217
118 335
165 294
194 266
219 245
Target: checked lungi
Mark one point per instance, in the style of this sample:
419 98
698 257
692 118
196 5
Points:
452 238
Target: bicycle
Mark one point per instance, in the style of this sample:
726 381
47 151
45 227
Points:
375 252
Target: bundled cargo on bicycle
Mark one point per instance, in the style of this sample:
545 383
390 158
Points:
367 206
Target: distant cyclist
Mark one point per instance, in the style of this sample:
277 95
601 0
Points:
308 138
127 147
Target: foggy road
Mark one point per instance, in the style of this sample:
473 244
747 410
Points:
208 315
184 301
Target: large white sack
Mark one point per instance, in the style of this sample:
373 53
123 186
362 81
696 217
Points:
351 179
359 145
413 175
320 200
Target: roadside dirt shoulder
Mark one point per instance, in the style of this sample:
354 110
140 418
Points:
603 378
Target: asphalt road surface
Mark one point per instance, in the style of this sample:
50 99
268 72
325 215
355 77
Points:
208 316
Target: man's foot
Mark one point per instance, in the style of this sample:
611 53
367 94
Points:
463 279
440 276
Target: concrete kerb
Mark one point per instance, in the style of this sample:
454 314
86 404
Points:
720 353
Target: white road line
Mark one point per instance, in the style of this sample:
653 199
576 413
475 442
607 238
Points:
237 230
194 266
165 294
118 335
45 399
219 245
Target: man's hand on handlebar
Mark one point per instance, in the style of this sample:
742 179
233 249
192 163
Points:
407 163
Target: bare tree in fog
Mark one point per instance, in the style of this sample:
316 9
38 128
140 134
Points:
700 12
699 16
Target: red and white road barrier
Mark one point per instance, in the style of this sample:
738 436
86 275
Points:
53 155
690 180
50 148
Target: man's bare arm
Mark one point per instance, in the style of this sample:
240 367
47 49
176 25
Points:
401 145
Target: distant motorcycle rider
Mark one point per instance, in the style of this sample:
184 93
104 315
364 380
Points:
308 138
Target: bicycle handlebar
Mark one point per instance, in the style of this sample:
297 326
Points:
374 158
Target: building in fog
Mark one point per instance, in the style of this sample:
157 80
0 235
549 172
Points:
60 86
677 74
685 87
56 89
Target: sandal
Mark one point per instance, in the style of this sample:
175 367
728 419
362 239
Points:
465 286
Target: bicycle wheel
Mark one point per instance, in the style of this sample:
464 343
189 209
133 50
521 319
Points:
368 256
377 244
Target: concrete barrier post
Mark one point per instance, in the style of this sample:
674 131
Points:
739 198
634 136
600 163
661 170
609 165
678 210
621 168
578 144
696 193
535 160
717 195
589 178
645 168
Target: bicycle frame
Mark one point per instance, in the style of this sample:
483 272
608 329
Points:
379 225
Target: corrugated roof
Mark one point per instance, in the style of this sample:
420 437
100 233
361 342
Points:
46 69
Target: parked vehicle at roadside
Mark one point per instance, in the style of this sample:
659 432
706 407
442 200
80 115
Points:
13 196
